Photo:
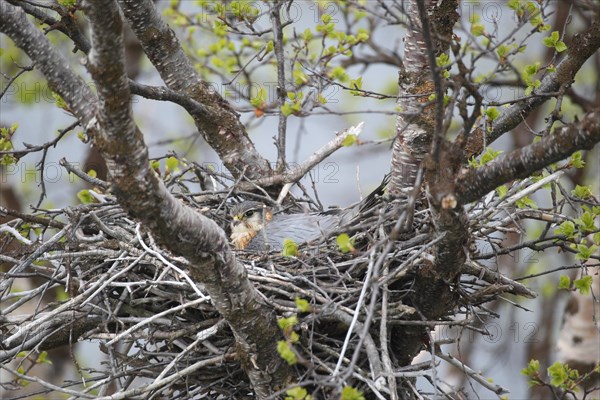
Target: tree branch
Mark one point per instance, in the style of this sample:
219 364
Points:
67 24
179 228
471 184
416 124
184 231
295 173
221 127
275 15
61 79
583 46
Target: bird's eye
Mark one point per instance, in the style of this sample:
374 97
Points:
249 213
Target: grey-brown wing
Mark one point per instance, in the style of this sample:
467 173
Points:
301 228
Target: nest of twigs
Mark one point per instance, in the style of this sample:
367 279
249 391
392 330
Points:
158 327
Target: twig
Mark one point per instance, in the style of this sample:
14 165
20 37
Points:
298 172
15 234
71 168
281 87
499 390
169 264
154 317
473 268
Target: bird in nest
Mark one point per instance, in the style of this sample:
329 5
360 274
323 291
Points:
257 227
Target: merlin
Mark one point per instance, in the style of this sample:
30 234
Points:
257 227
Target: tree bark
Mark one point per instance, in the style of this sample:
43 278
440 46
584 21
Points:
108 120
219 124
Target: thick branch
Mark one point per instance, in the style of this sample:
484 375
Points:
67 24
416 124
434 297
520 163
61 79
221 127
583 46
181 229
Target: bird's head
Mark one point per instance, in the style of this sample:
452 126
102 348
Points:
247 219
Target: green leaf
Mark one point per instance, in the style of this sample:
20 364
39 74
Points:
443 60
363 35
564 282
302 304
288 323
577 160
60 103
554 41
43 358
582 192
217 62
293 337
584 285
326 29
558 374
307 34
285 351
300 77
502 190
502 50
529 71
172 164
477 29
548 42
297 393
489 155
526 202
350 393
567 229
92 173
344 243
62 296
584 252
85 197
560 46
349 140
259 100
8 159
340 74
514 4
67 3
270 46
286 109
586 222
532 368
356 84
290 248
492 113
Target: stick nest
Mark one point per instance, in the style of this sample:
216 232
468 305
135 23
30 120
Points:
95 275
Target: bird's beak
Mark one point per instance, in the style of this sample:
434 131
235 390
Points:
236 221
